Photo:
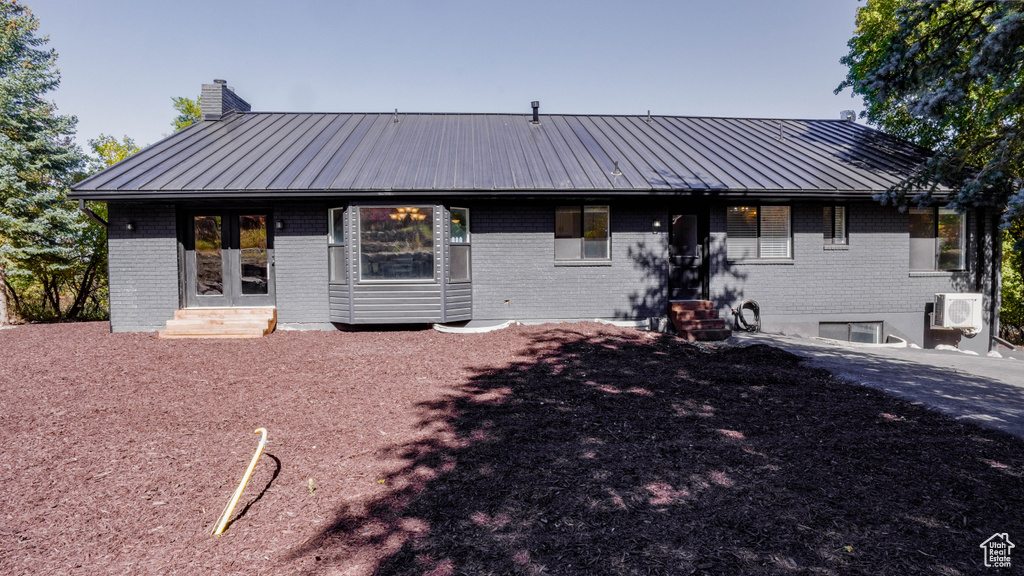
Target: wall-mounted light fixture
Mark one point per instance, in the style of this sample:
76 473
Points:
278 224
656 225
130 226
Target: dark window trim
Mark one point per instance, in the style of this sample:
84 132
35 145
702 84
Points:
583 260
830 241
757 245
964 227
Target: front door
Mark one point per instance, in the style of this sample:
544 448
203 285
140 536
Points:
688 270
229 259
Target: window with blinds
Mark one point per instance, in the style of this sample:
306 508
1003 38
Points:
834 225
758 232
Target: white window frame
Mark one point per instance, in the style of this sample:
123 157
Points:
336 255
465 243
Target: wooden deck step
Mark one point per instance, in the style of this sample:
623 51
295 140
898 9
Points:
697 320
221 323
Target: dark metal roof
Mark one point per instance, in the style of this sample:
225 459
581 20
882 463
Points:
261 154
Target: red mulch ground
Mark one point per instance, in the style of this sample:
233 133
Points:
572 449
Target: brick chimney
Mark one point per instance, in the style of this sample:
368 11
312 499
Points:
218 99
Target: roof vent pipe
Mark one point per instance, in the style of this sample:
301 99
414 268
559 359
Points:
536 111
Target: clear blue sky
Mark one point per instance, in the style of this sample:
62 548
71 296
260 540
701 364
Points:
121 61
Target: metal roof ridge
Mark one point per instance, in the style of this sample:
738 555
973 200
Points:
565 114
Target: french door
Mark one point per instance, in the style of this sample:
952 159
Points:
229 258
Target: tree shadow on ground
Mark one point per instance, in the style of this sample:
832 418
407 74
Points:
640 454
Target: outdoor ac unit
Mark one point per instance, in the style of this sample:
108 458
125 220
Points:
953 310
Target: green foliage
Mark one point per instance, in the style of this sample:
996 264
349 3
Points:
189 111
50 255
1011 315
109 150
950 76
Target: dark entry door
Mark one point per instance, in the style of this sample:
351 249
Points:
688 267
229 259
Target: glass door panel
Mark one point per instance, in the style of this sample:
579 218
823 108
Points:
209 255
252 254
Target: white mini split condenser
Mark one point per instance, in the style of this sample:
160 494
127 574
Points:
956 310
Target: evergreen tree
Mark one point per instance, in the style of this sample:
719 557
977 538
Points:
40 230
948 75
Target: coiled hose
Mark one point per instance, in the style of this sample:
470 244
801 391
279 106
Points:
754 326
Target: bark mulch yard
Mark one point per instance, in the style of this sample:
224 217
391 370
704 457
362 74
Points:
574 449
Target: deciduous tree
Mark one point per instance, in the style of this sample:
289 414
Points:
189 111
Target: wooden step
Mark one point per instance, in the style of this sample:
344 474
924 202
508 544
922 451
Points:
221 323
226 313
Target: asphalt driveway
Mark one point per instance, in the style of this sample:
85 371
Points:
988 391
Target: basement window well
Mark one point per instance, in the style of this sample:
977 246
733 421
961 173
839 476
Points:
861 332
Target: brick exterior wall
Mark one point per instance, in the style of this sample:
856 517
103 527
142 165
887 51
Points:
143 266
515 275
867 280
300 255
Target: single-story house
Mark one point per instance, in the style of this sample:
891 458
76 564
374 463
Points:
344 218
